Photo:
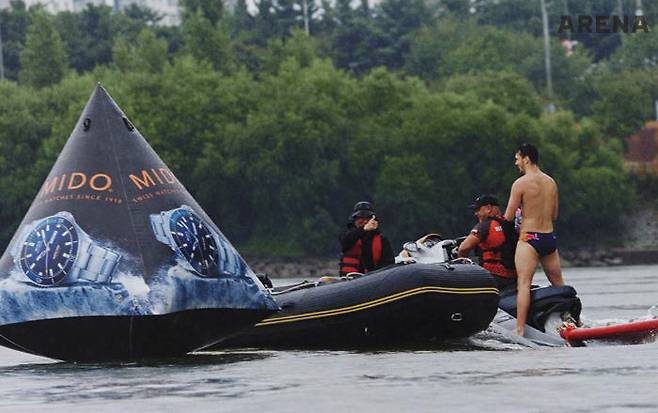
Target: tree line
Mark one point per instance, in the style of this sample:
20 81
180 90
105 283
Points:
277 132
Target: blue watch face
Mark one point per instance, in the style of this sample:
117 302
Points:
194 241
49 251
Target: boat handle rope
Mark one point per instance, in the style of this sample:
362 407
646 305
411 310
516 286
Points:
462 260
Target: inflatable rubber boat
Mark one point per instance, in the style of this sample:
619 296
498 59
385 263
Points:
428 295
403 304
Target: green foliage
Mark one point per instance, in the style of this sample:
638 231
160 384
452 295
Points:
452 48
211 10
24 124
624 101
288 15
136 14
290 145
15 21
43 60
518 15
430 46
393 28
298 46
489 48
507 89
88 35
525 16
640 50
148 54
278 133
353 36
209 42
403 178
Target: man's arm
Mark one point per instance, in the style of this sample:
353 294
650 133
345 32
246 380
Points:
477 235
468 245
349 237
515 197
556 207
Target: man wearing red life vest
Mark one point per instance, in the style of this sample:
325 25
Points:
363 247
496 238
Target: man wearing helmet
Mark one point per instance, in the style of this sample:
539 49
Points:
363 246
496 238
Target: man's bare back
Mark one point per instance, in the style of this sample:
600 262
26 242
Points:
536 192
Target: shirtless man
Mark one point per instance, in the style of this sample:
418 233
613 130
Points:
536 193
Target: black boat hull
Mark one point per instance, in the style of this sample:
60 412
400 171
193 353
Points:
125 338
399 305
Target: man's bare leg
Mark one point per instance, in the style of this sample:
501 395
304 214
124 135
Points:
551 265
525 259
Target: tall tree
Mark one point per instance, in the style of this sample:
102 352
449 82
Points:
327 20
24 123
286 16
15 21
289 15
241 25
353 36
43 60
213 10
88 35
209 42
142 14
241 20
265 22
147 54
395 23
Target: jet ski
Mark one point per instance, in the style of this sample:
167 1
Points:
552 309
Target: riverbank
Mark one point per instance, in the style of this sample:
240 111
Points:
615 256
315 267
294 267
639 241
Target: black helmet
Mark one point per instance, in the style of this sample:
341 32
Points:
362 209
486 199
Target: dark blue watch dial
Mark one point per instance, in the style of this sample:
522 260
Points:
49 251
195 242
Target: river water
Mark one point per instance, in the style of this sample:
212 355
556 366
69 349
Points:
479 374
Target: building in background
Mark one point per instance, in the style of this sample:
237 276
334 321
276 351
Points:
641 155
167 9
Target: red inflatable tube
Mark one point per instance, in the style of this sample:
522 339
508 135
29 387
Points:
617 331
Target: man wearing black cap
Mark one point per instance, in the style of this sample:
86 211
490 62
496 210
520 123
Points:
363 246
496 238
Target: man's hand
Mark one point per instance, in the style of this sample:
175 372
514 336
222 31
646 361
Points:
372 224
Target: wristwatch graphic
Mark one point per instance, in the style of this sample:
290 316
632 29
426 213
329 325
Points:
202 250
55 251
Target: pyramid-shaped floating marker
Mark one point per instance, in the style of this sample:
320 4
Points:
115 260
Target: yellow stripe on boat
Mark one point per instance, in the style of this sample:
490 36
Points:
375 303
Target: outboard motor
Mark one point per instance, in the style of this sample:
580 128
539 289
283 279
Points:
546 302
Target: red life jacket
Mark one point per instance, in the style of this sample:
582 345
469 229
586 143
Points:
499 248
352 259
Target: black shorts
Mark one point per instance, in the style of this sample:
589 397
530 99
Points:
544 243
